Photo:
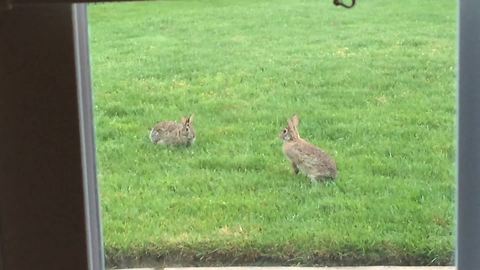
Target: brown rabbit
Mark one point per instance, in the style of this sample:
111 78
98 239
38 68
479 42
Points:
173 133
304 156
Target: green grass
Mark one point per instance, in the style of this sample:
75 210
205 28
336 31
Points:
374 86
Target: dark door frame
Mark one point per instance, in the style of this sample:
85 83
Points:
49 204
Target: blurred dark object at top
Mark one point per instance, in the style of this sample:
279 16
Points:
340 3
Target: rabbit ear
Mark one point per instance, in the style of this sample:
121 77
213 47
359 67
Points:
291 129
295 121
292 126
187 120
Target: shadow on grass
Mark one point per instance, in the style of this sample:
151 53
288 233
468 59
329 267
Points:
191 258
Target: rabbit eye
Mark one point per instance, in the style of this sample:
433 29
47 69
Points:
284 131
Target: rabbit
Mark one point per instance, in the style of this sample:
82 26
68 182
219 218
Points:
306 157
173 133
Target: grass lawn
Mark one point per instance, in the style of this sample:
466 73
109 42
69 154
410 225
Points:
374 86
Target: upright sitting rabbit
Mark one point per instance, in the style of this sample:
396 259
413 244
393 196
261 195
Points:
304 156
173 133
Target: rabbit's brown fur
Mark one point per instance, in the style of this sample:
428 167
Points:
304 156
173 133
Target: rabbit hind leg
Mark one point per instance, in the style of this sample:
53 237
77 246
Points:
295 168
